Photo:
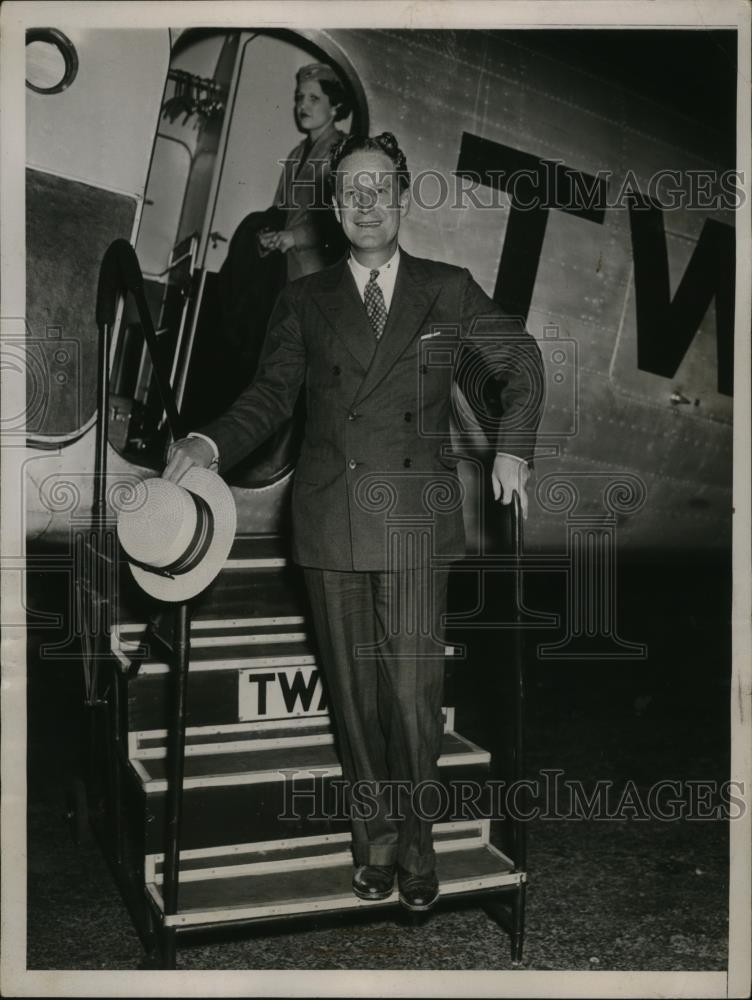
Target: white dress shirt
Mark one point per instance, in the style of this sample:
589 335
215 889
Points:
386 279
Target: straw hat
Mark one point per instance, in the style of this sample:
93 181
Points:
178 536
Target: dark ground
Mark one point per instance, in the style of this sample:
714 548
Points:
618 894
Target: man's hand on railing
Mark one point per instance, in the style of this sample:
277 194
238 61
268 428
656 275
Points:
510 474
185 453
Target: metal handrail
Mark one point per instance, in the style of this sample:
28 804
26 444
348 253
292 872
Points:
120 274
520 858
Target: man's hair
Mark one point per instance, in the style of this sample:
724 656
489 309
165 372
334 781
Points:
384 143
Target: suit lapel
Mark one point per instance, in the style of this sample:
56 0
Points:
413 297
343 308
284 191
318 151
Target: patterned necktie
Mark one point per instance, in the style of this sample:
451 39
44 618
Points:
373 298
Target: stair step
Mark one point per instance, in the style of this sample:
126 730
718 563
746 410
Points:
323 885
204 744
274 682
202 739
261 681
244 736
259 549
243 589
265 592
132 632
243 796
233 653
279 762
297 852
133 640
220 644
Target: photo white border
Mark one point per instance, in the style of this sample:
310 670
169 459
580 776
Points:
15 17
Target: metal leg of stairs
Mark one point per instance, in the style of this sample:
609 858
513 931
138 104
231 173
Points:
168 947
509 913
507 909
518 922
176 758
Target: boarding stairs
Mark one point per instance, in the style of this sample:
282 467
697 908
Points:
212 753
264 831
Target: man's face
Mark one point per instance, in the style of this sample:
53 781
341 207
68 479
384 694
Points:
370 204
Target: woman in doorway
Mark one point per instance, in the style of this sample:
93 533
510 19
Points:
298 235
310 237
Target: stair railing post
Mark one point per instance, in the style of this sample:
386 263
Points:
96 592
519 822
519 679
175 774
95 614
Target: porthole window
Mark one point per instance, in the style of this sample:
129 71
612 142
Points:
51 61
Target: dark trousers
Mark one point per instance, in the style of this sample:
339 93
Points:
380 640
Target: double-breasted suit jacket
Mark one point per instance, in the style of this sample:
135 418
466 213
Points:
303 196
378 412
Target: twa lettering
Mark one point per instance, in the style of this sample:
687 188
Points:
288 692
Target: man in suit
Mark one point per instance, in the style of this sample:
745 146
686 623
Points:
377 500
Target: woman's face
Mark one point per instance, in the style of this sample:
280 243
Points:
313 110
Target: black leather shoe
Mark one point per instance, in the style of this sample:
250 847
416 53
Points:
417 892
373 882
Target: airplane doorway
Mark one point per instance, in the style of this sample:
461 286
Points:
203 183
239 287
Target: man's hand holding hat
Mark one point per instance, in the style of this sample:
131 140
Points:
194 450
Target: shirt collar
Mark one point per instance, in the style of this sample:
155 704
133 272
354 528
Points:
360 270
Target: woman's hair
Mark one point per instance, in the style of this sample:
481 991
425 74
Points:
385 142
338 97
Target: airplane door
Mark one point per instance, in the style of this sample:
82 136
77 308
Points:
260 136
226 127
190 138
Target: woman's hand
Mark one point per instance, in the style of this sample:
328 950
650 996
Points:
283 240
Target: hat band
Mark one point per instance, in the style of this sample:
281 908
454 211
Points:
197 547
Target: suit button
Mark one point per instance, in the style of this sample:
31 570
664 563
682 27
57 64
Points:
407 463
336 370
352 415
408 417
352 464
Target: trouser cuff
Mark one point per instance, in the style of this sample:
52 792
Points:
419 864
374 854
